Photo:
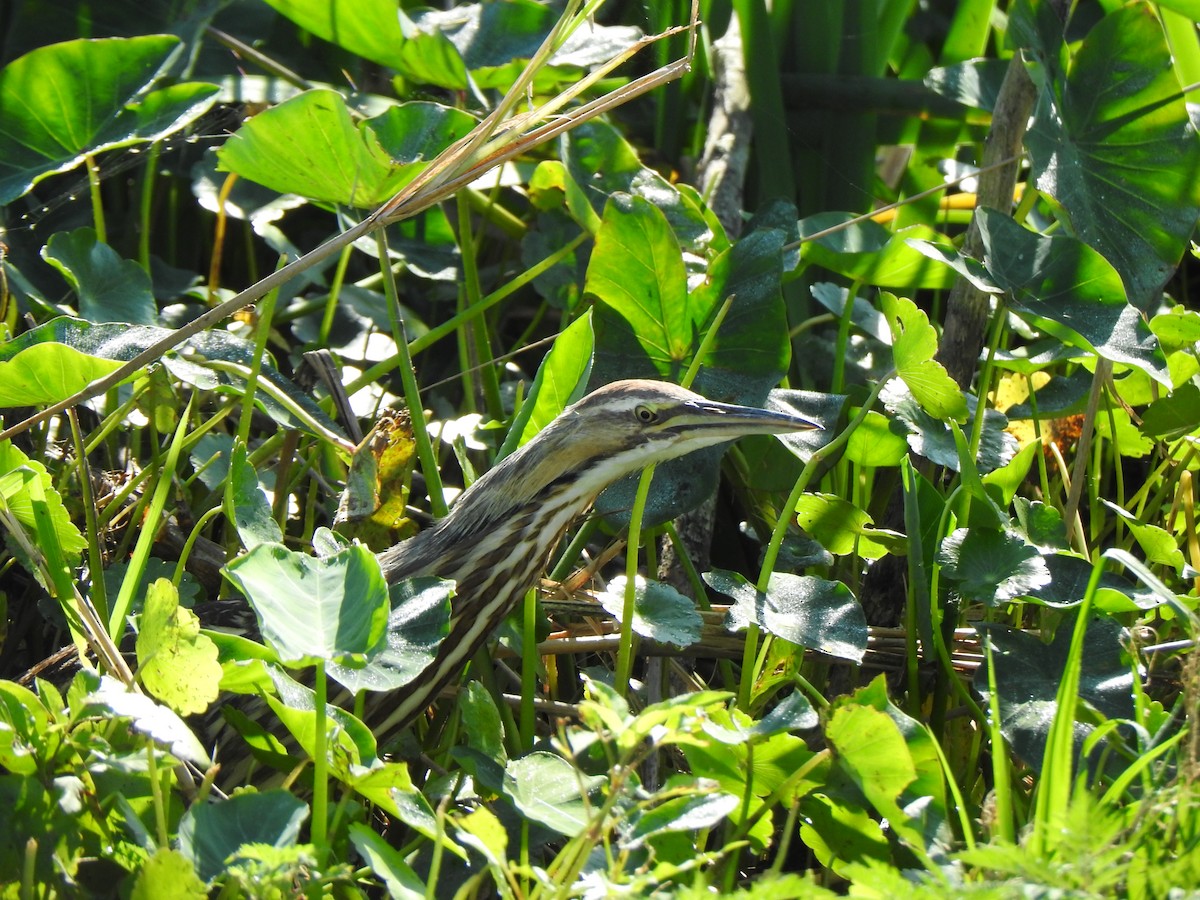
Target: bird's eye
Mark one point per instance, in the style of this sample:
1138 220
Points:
645 415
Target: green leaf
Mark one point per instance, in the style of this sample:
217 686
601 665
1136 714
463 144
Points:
349 742
168 875
65 101
211 360
387 864
550 791
367 28
660 612
874 443
110 289
1177 329
896 265
991 566
1113 144
112 699
1028 674
1172 417
600 162
418 623
561 380
690 813
209 833
934 440
46 373
914 344
310 146
16 470
315 609
637 273
1068 289
177 664
1159 545
893 761
806 610
842 528
244 496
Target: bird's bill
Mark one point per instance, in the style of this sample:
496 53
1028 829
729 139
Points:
735 421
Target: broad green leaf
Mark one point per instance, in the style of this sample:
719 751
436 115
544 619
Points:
600 162
209 833
414 133
63 102
806 610
367 28
991 566
1067 288
168 875
349 743
1113 144
251 510
1069 576
315 609
112 699
387 864
690 813
874 443
16 469
839 831
914 345
1177 329
310 146
1158 544
660 612
637 273
893 760
842 528
1028 673
824 409
975 83
1174 415
46 373
176 663
418 623
550 791
110 289
863 314
561 380
932 438
896 265
211 360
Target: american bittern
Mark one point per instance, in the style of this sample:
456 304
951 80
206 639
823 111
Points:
501 532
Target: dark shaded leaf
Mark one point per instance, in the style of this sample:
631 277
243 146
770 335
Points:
991 566
1028 673
109 288
210 833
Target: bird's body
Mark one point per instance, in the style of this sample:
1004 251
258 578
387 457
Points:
498 537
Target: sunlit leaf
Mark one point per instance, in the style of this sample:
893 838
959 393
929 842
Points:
177 664
62 102
315 608
550 791
660 612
